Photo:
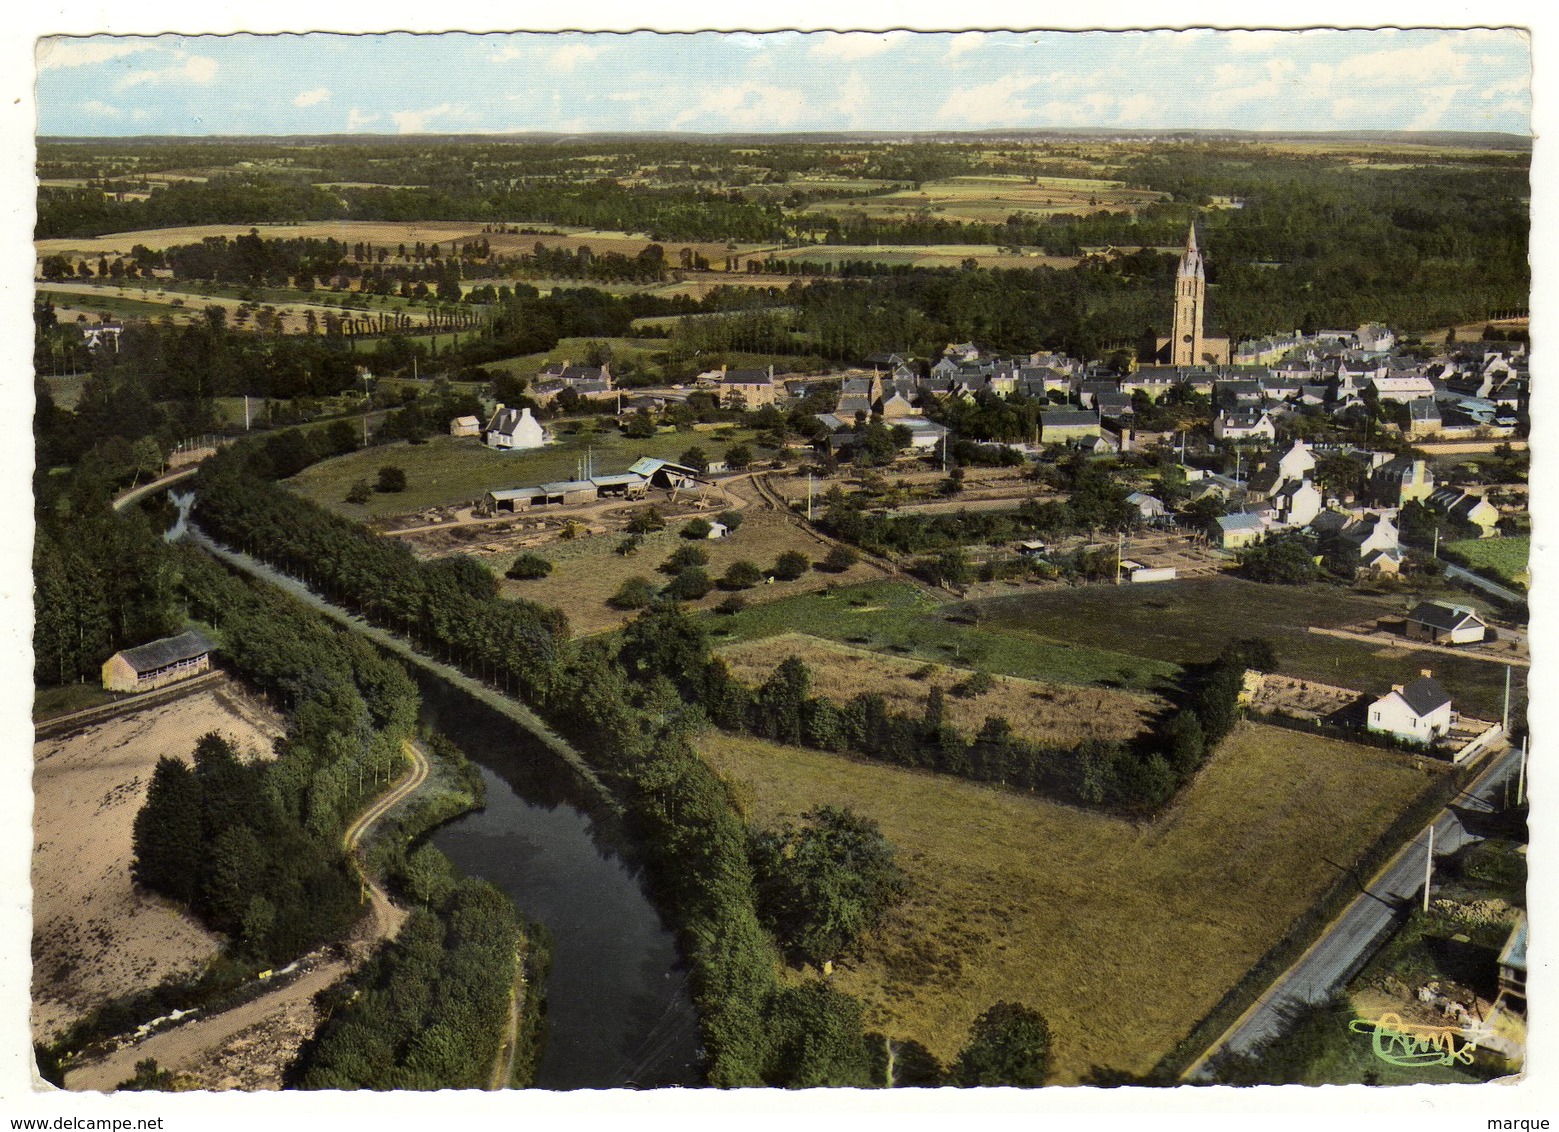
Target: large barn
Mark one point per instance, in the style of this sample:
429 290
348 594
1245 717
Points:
157 663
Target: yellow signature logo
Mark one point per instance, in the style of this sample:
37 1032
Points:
1401 1043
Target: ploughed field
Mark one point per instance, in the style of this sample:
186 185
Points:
1123 935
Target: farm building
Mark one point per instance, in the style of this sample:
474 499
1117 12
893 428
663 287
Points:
663 473
1141 572
629 485
465 426
1061 425
1237 530
157 663
568 492
1443 624
1148 506
515 429
515 499
1419 711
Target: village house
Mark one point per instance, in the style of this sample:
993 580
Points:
465 426
1232 532
1244 424
1463 506
1440 623
1400 481
515 429
748 388
1419 712
157 663
1058 426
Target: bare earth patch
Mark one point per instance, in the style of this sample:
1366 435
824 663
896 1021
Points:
95 937
1061 715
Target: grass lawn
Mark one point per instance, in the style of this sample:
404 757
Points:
450 469
1508 557
1059 714
1124 936
50 702
1190 621
587 571
897 618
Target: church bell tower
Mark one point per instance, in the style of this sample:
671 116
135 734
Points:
1186 342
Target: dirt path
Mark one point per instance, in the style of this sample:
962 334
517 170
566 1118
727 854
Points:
249 1046
508 1049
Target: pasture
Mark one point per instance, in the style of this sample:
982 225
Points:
1190 621
1508 557
900 619
450 470
1122 935
587 571
923 255
992 199
1054 714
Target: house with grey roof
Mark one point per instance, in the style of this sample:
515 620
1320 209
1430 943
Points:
1419 712
1441 623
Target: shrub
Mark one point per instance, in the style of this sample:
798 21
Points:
733 604
635 593
978 684
689 584
742 576
647 520
840 559
359 492
791 565
390 480
696 528
685 556
529 566
731 519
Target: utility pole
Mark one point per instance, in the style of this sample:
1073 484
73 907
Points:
1437 542
1521 776
1505 718
809 497
1428 867
1120 548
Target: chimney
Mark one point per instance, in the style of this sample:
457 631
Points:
1397 688
1426 673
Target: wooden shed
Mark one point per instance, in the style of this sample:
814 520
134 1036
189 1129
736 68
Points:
157 663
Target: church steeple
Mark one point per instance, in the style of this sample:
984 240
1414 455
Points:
1186 345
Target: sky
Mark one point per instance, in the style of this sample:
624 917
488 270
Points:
710 82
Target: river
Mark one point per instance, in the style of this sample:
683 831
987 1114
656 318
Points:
617 998
619 1010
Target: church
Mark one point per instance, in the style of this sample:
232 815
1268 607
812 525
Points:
1188 344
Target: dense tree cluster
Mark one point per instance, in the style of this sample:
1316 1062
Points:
429 1010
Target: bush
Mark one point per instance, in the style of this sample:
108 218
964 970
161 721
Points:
635 593
689 584
978 684
733 604
685 556
1008 1045
840 559
696 528
742 576
390 480
791 565
528 567
645 521
731 519
359 492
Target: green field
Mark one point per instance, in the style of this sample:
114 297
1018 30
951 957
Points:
902 620
1187 622
575 350
1508 557
992 199
923 255
1123 935
448 470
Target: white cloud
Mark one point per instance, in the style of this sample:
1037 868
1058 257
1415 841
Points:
56 53
198 69
990 104
965 42
1137 108
312 97
416 121
507 54
747 104
856 44
853 97
571 55
625 96
1436 100
101 109
356 119
1404 65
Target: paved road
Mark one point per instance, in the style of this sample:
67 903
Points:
1366 923
1499 591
